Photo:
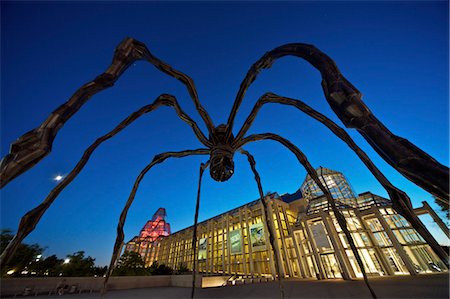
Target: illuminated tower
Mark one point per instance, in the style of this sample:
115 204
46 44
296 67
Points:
144 244
156 227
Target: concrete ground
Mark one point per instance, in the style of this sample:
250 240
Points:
422 286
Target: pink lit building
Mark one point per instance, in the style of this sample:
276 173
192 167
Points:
152 230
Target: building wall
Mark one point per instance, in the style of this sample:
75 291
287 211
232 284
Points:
219 257
307 245
309 241
386 242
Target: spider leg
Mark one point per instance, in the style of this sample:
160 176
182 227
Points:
32 217
312 173
272 241
203 166
334 128
400 200
120 235
34 145
186 80
346 102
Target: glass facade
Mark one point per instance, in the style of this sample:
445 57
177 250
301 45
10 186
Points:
237 243
336 184
309 241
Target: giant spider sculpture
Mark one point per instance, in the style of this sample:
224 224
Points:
221 144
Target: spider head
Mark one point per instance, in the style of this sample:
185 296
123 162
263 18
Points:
221 161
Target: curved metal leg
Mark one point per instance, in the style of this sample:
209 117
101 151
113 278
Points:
312 173
203 166
346 102
333 127
400 200
120 235
272 233
34 145
32 217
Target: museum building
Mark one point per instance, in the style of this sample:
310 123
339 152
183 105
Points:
309 243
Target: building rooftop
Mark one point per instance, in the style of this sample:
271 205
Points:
320 172
291 197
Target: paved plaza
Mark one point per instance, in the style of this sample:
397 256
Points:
422 286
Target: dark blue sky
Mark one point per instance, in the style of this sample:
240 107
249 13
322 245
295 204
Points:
395 53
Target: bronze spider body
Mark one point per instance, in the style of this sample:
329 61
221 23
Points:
221 144
222 152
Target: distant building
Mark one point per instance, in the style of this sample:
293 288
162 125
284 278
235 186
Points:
309 243
152 230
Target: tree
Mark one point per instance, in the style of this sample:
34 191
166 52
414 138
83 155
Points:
130 259
50 266
130 264
443 204
100 271
78 265
25 254
162 269
182 269
5 237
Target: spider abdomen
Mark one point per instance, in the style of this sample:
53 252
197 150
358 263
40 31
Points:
221 160
221 164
